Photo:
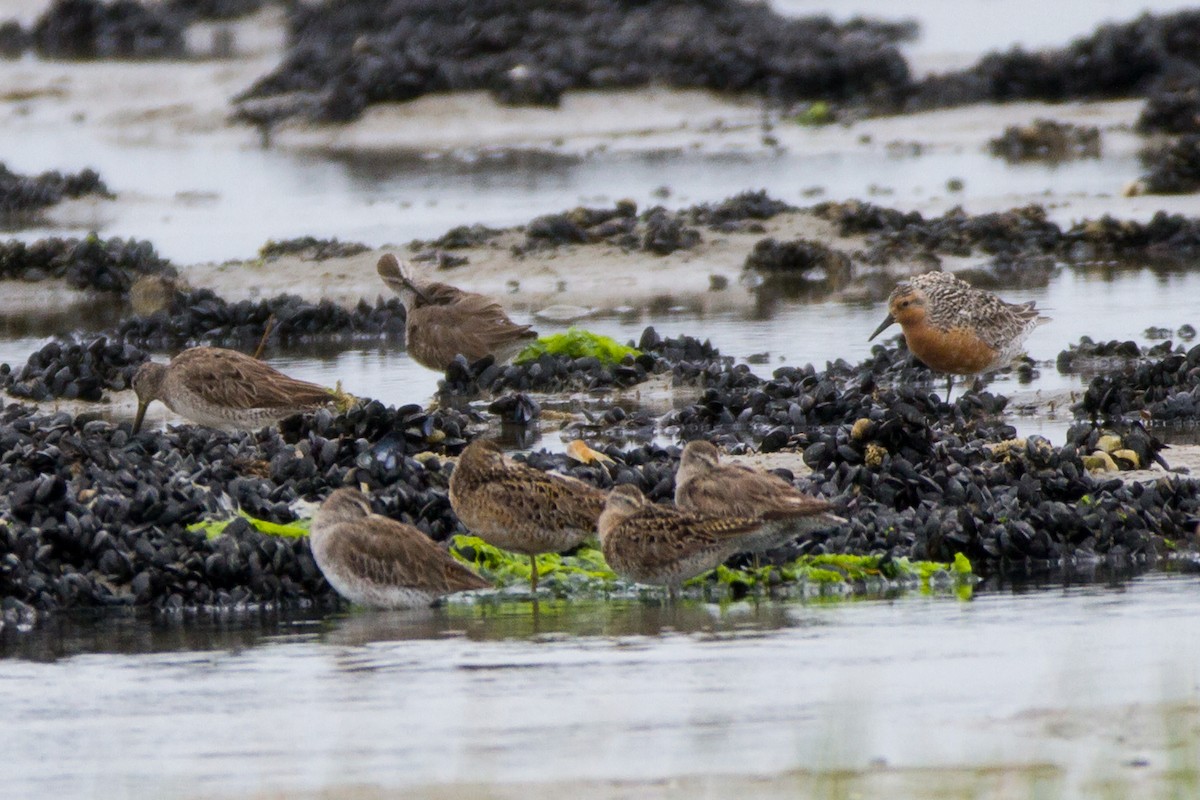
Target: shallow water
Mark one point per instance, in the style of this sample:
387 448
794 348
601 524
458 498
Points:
585 690
1080 303
221 204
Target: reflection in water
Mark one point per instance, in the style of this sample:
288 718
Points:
546 621
140 631
96 312
64 635
628 690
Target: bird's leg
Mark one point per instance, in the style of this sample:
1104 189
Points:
262 343
757 562
949 384
533 574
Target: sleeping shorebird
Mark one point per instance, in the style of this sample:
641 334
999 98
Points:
705 486
376 561
956 329
224 389
442 321
516 507
650 543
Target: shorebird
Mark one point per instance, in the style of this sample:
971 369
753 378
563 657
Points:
516 507
442 321
703 485
376 561
224 389
957 329
650 543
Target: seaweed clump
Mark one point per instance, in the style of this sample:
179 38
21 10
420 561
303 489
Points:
90 29
799 264
1126 59
657 230
583 572
1173 110
1172 168
579 343
1046 140
683 357
311 249
106 265
22 196
346 56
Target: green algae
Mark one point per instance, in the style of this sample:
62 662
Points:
818 113
584 571
850 573
578 343
292 530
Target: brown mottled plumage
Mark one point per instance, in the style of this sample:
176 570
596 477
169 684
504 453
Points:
516 507
376 561
957 329
442 321
650 543
703 485
224 389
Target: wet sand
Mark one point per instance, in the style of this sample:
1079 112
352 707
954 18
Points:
186 105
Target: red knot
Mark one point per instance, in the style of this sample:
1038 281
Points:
956 329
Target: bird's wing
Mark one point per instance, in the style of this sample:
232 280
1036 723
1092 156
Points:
737 490
390 553
236 380
661 537
544 500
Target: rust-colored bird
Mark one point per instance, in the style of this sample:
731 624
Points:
443 321
957 329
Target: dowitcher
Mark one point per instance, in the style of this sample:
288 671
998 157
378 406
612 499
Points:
376 561
224 389
705 486
516 507
442 321
651 543
956 329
